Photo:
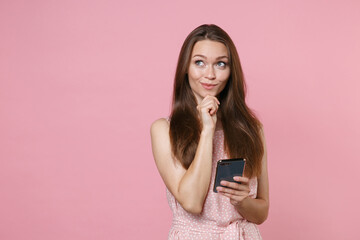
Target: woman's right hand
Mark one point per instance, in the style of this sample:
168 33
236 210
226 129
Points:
207 109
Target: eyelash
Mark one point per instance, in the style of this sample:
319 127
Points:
224 64
197 62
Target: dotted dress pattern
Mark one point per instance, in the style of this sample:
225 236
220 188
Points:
219 219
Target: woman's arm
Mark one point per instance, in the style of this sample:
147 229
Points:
254 210
189 186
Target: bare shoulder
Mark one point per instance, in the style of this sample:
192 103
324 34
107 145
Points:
261 129
171 171
263 179
159 130
160 139
262 134
160 124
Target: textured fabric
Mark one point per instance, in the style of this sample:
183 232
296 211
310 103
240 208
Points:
219 219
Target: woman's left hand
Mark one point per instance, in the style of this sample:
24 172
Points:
235 191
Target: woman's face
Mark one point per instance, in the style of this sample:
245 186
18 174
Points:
209 68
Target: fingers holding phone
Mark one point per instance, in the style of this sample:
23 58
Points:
236 191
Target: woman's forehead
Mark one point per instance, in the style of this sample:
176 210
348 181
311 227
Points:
208 48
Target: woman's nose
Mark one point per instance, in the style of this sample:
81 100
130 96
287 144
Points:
210 74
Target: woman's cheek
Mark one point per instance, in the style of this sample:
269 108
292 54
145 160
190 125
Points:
198 73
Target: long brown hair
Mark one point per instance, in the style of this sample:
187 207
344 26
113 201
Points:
242 130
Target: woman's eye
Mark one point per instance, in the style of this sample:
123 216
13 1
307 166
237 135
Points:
221 64
199 63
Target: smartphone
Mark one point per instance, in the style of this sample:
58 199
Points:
226 169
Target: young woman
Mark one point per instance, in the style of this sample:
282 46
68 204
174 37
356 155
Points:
211 121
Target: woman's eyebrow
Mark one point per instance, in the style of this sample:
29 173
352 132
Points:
199 55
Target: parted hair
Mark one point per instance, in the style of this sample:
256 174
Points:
242 129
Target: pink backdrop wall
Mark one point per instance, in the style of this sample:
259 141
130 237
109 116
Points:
81 82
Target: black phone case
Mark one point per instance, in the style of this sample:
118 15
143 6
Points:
226 169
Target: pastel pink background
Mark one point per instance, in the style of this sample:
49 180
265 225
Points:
81 82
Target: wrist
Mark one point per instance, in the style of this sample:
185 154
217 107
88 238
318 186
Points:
207 131
242 203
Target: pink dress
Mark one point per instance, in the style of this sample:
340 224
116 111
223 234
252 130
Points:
219 219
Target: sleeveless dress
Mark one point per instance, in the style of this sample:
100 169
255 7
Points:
219 220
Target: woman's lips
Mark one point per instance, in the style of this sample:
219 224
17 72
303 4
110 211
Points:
208 86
